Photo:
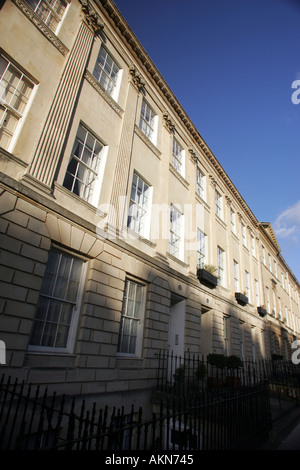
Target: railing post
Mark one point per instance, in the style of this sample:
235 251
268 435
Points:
71 427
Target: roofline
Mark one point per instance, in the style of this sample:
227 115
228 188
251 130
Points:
149 67
128 36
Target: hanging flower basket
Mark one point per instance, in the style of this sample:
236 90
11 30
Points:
207 278
241 298
262 311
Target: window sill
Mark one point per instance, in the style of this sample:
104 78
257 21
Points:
77 200
177 260
100 90
41 26
132 235
234 235
51 360
147 141
202 201
221 221
178 176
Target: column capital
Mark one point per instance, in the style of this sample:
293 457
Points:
136 78
213 181
193 155
228 200
92 18
169 123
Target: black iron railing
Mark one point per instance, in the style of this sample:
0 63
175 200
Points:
193 373
32 419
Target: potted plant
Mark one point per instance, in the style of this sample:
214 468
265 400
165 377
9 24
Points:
218 362
241 298
200 372
262 311
206 275
233 363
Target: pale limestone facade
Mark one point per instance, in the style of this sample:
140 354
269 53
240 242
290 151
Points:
41 214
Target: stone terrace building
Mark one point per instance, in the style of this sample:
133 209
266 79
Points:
110 201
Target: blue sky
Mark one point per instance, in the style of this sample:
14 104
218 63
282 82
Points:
231 64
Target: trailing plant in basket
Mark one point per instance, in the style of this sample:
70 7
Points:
233 362
217 360
200 372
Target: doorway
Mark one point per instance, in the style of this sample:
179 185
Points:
177 326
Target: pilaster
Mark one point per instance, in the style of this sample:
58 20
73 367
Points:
45 160
120 184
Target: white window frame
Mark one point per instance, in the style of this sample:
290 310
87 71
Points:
178 157
10 100
133 320
43 6
108 73
244 234
176 240
257 292
236 276
253 246
226 334
201 249
233 221
268 300
270 262
275 269
247 285
221 266
274 303
50 299
200 183
148 121
279 308
140 206
219 205
95 170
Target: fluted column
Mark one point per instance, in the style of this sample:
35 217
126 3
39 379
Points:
120 184
49 148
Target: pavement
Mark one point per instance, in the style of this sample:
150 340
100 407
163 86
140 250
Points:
285 432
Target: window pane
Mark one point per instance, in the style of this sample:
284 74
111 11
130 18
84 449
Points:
130 319
50 275
146 120
83 167
138 206
49 335
15 91
74 280
106 71
60 286
53 311
58 297
50 12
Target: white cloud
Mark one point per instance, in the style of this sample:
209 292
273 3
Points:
287 224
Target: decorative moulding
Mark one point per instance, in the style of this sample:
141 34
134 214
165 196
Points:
96 85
